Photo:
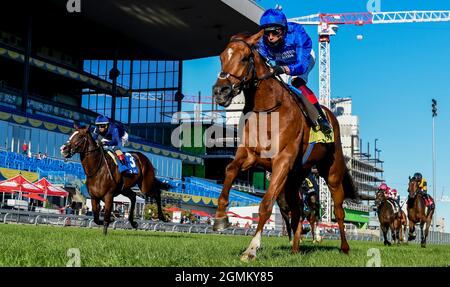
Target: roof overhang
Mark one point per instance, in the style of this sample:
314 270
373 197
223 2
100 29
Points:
138 29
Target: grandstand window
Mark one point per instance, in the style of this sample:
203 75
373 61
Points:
150 82
3 135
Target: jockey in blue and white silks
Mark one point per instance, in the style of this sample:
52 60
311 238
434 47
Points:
110 136
290 47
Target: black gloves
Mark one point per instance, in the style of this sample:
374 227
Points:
278 70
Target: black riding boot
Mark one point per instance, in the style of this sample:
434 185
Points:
324 125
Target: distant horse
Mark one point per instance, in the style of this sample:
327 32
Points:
243 69
104 181
404 225
312 215
389 217
417 212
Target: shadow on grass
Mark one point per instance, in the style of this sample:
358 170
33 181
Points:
307 249
154 235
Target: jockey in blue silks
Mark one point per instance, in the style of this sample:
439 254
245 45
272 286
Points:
290 47
109 135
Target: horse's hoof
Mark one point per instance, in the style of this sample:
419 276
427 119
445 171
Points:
247 257
411 238
99 222
345 248
134 224
221 224
105 230
387 243
423 245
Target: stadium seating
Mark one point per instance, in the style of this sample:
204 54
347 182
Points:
21 162
192 185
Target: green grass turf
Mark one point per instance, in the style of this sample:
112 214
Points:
29 245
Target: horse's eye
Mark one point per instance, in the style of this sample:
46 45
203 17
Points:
244 60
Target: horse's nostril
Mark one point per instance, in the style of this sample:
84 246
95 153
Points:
216 90
225 90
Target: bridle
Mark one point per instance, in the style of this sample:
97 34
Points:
85 152
413 193
78 144
243 81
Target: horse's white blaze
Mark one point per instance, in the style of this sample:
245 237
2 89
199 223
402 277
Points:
73 135
230 53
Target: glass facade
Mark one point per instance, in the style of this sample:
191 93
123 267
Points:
153 85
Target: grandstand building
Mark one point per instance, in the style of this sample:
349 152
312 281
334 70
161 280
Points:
366 168
113 59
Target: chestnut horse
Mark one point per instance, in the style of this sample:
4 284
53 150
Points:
104 181
417 213
243 69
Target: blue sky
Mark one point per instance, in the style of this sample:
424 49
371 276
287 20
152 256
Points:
391 75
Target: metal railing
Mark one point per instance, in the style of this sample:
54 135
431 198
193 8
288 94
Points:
63 220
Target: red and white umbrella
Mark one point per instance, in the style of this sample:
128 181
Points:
19 184
34 196
50 189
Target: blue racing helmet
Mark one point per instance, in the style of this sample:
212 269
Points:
101 120
417 176
273 18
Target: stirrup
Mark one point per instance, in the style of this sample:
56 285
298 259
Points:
324 126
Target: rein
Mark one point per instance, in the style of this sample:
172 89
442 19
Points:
250 72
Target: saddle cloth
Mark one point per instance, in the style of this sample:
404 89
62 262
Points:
319 137
129 162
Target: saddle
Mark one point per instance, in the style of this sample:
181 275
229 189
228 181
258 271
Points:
395 206
129 161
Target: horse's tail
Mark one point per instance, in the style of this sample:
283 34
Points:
350 189
161 185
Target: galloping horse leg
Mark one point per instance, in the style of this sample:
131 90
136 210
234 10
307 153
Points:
96 210
132 196
295 203
422 235
393 232
338 198
161 215
405 224
147 187
284 210
427 228
385 230
332 172
315 221
281 166
412 227
400 231
108 198
231 172
315 229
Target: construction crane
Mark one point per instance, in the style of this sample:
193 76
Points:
327 26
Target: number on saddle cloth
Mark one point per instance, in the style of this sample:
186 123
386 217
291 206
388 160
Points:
131 164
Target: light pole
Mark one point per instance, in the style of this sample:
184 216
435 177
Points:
375 153
433 115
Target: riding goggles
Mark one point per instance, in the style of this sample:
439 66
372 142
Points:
276 31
